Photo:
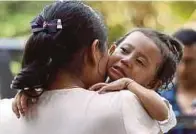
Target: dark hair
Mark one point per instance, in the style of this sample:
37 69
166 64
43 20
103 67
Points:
46 52
171 51
186 36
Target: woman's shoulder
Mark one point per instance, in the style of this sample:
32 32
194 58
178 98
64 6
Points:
116 95
128 96
62 93
9 123
6 112
5 105
133 111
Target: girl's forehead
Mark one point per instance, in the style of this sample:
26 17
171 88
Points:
139 41
143 45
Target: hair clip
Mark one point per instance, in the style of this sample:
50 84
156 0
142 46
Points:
51 26
26 88
59 24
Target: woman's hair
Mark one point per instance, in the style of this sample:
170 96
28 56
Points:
60 34
171 51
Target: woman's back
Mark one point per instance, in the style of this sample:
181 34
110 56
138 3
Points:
83 112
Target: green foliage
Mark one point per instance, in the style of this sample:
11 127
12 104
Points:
16 16
183 8
119 16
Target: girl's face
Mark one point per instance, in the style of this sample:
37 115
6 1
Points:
136 57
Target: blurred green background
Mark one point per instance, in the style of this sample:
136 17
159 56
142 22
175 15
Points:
120 16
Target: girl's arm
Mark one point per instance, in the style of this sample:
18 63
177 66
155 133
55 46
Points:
150 100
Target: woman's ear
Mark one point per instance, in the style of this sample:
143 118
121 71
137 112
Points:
94 53
154 84
112 49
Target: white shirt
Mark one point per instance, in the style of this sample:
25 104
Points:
79 111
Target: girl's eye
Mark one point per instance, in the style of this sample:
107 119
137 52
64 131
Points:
140 62
124 50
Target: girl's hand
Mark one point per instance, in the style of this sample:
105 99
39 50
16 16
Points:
117 85
97 86
20 103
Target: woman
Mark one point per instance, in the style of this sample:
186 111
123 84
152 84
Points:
69 38
145 50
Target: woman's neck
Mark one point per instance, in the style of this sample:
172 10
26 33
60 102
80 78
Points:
65 80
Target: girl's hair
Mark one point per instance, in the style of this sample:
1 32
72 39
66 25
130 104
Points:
171 50
67 28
